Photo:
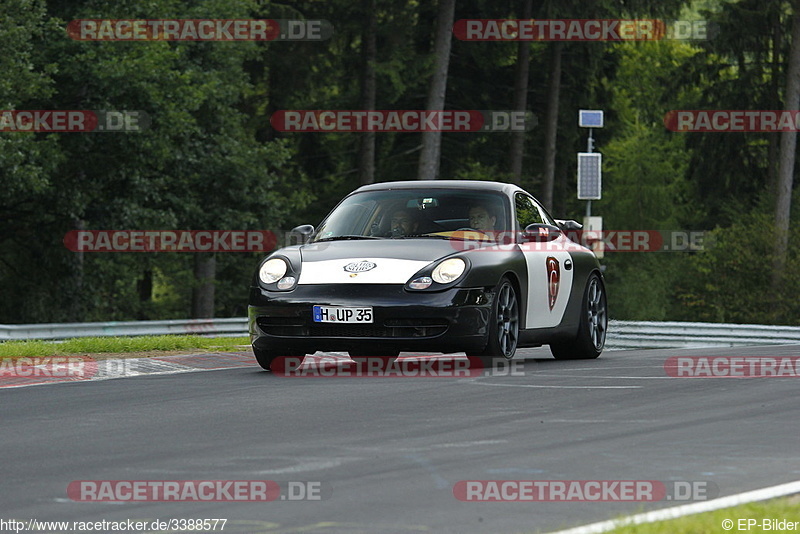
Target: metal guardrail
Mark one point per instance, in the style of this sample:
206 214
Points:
647 334
621 334
236 326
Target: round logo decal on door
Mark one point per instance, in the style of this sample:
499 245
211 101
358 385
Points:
553 280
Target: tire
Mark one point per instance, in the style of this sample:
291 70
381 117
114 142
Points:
592 328
503 327
267 357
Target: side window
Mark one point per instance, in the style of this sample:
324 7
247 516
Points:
527 211
544 215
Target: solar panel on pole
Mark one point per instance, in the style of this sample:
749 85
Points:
590 176
590 118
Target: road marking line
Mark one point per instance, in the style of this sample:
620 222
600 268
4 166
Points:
610 377
311 465
675 512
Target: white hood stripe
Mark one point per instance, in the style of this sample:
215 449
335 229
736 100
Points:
386 271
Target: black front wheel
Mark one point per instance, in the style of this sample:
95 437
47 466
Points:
503 326
592 329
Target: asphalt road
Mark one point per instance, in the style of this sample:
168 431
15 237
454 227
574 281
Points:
387 452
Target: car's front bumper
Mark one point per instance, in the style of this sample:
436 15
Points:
452 320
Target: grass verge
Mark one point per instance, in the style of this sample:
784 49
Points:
121 345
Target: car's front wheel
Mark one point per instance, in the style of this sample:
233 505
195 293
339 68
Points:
592 329
503 327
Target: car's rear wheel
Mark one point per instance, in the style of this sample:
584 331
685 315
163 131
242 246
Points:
267 358
503 326
592 328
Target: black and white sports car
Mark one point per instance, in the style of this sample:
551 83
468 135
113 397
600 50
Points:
431 266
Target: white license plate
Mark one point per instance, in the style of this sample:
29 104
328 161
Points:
341 314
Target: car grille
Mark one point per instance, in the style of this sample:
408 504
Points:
350 331
391 328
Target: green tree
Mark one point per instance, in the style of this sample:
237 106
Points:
198 165
27 165
645 184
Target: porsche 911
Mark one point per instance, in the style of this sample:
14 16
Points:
431 266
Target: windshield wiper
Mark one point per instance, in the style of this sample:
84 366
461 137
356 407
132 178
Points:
488 241
345 237
414 236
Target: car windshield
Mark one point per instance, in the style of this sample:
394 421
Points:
415 213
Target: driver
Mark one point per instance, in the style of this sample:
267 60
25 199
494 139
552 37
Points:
403 223
482 218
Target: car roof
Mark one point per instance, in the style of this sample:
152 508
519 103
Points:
473 185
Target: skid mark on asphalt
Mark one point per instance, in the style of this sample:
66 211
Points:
434 446
610 367
332 527
310 465
438 479
605 421
542 386
608 377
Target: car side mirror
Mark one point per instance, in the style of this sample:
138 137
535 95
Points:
568 224
303 232
540 233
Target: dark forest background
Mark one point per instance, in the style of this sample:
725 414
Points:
211 160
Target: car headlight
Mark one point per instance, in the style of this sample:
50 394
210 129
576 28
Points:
287 282
272 270
448 270
423 282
